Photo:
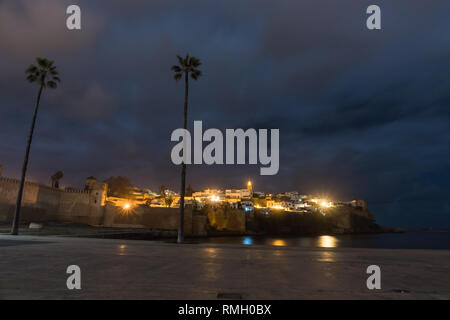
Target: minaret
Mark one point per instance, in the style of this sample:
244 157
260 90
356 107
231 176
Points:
250 188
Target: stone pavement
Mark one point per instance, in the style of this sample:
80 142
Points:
35 268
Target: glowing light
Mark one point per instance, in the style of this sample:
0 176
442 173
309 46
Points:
248 241
277 207
327 242
215 198
249 183
211 252
326 256
127 206
278 243
122 250
325 204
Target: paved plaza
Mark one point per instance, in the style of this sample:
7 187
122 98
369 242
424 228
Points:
35 268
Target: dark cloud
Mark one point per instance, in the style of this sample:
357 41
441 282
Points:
361 114
38 27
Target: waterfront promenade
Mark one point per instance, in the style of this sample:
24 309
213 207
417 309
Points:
35 268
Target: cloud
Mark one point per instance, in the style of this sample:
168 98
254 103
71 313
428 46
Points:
361 114
39 27
91 104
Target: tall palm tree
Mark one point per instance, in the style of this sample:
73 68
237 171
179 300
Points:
45 75
187 66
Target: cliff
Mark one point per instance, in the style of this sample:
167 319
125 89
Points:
338 220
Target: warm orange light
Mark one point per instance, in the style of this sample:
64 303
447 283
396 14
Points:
215 198
278 243
327 242
325 204
127 206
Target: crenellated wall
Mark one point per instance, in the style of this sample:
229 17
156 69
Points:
43 203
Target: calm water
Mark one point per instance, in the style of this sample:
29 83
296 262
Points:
407 240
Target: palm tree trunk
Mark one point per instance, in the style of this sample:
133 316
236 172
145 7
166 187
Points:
183 171
15 225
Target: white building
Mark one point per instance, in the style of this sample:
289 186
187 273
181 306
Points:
247 206
209 194
238 194
292 195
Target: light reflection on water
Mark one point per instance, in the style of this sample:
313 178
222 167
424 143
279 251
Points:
278 243
326 256
407 240
211 269
321 242
327 242
211 252
122 250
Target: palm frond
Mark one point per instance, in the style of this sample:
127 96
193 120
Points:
42 62
31 69
181 60
177 76
31 78
43 70
52 84
196 74
195 62
176 69
187 65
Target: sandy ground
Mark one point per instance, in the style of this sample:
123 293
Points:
35 268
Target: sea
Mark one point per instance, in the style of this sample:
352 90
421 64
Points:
407 240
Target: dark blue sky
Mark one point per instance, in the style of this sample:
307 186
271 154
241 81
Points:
362 114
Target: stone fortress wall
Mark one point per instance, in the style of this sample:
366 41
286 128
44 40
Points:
42 203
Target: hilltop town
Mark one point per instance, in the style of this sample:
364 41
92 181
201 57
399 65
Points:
246 199
116 202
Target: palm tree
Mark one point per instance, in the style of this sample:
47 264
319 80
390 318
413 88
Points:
55 179
168 201
45 75
162 190
187 66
